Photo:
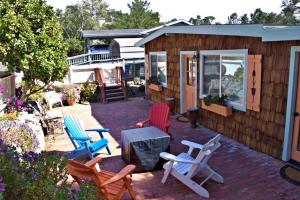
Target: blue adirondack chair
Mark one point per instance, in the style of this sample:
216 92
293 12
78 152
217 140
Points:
82 142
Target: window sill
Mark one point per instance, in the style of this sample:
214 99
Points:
218 109
155 87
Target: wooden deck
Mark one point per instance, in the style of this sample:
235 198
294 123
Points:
248 174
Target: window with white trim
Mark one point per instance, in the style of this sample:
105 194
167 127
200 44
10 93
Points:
158 66
224 72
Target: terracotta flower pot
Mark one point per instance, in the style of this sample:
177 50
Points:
71 101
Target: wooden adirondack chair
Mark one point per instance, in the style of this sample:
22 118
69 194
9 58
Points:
82 143
111 186
184 167
158 116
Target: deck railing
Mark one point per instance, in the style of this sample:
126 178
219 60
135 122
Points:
90 58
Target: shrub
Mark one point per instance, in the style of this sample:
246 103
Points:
87 191
13 104
68 91
33 176
19 135
44 176
88 92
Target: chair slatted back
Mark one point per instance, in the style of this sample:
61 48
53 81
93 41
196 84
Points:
205 154
159 116
74 128
81 172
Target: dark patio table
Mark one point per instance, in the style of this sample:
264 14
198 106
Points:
142 147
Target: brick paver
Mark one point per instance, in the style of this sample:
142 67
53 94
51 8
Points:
248 174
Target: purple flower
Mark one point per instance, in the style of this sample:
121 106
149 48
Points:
1 88
2 185
10 100
18 102
25 109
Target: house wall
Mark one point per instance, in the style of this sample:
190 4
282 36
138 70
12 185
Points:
264 130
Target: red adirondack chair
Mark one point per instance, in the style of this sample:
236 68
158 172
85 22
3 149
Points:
158 117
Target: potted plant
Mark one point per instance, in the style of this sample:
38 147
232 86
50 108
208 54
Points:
216 104
154 84
71 97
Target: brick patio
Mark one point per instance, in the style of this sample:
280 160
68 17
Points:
248 174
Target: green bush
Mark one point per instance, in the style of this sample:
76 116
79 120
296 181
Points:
87 191
75 47
88 92
33 176
68 91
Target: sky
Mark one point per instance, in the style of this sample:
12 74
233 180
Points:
185 9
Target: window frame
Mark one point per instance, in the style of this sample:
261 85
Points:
222 53
159 53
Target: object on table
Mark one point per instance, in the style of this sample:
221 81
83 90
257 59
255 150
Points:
184 166
142 147
158 117
80 138
193 115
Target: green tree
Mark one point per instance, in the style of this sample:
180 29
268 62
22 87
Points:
261 17
291 7
31 42
78 17
95 8
233 19
244 19
198 20
140 16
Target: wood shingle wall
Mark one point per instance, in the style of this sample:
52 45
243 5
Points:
264 130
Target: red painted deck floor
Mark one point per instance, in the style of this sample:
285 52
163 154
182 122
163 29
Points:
248 174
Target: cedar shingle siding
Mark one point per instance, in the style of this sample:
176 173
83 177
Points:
264 130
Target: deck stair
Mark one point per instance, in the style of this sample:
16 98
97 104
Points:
112 91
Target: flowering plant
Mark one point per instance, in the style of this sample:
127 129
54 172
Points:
38 176
2 89
13 104
30 175
69 91
19 135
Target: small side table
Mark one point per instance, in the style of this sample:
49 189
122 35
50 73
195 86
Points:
193 115
142 147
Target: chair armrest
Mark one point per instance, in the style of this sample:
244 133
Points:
93 162
141 124
99 130
82 138
192 144
122 174
168 156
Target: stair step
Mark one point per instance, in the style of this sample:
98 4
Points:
113 90
113 87
115 98
114 94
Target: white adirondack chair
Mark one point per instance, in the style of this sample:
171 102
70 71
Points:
52 98
184 167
